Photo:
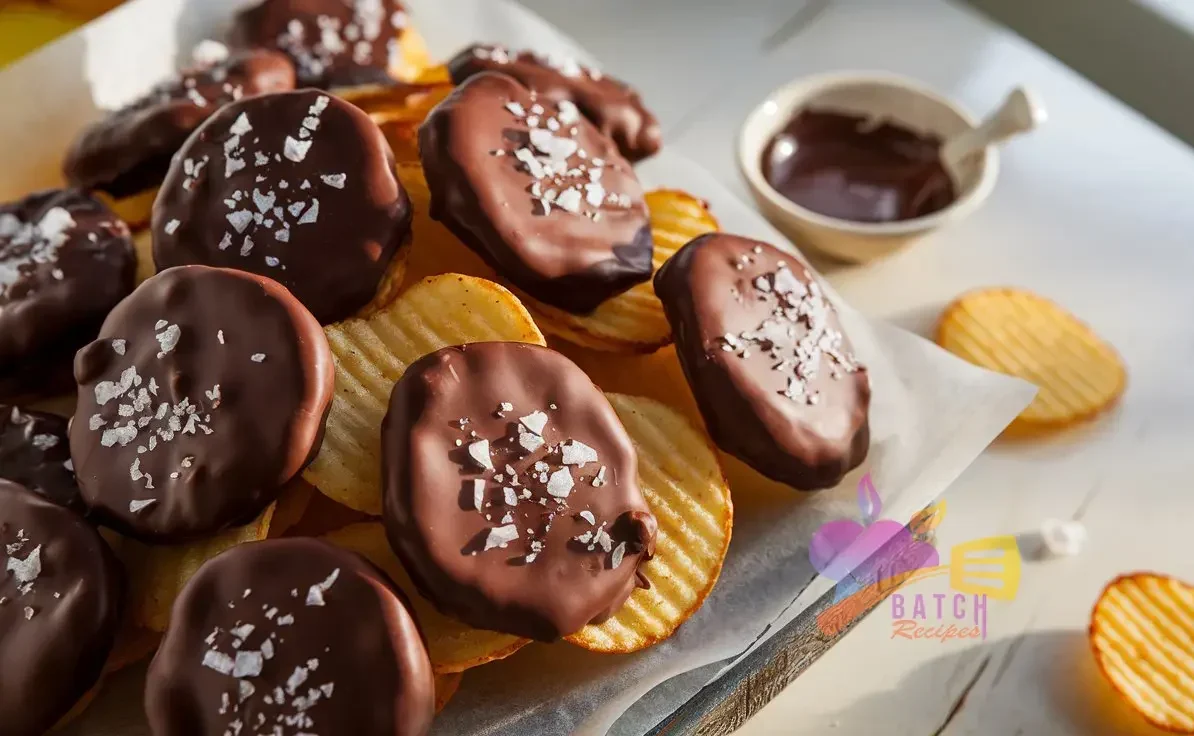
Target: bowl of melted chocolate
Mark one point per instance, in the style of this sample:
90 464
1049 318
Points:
850 163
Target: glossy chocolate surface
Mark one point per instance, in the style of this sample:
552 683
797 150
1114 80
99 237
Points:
61 594
35 453
851 168
511 490
205 392
129 151
290 637
611 105
65 261
299 187
536 191
763 350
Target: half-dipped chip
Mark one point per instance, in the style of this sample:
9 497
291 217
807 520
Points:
205 392
1024 335
453 646
679 476
372 354
538 192
763 350
511 490
1142 632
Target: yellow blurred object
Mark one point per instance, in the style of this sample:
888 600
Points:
1142 633
26 26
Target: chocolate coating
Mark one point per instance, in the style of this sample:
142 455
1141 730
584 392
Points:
333 43
571 227
611 105
299 187
847 167
206 391
513 552
129 151
763 350
294 635
35 452
65 261
61 594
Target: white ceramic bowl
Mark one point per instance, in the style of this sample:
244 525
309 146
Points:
875 94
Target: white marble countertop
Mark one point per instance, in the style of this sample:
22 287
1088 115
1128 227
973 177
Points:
1093 210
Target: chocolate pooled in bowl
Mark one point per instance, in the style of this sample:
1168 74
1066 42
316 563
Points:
511 492
761 345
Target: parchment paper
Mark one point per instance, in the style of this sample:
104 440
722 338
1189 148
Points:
931 414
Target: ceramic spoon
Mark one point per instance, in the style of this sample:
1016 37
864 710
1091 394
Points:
1019 113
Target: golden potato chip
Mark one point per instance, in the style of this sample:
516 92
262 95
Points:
400 103
291 506
372 354
446 686
135 210
683 484
633 321
436 250
414 60
143 245
158 574
1025 335
391 283
1142 633
324 516
453 646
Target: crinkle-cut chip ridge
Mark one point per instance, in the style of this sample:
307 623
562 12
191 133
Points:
1142 633
683 484
633 321
452 645
372 354
1024 335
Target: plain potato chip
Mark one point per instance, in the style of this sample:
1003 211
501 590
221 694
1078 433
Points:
683 484
1142 633
399 103
158 574
372 354
633 321
291 506
1024 335
453 646
143 245
135 210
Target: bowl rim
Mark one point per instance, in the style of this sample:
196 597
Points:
786 96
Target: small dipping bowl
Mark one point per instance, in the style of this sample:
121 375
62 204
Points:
902 101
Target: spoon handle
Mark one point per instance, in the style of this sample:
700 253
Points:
1019 113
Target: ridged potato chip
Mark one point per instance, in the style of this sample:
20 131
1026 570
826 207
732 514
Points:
372 354
445 687
1021 334
436 250
683 484
399 103
1142 633
158 574
453 646
633 321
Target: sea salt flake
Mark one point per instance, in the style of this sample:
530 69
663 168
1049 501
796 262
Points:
240 220
296 150
139 505
500 536
599 479
218 661
560 483
245 690
516 108
311 216
168 339
615 559
119 347
315 592
529 441
44 441
248 664
172 227
535 421
478 493
588 516
241 125
257 357
334 180
26 570
29 613
577 453
479 452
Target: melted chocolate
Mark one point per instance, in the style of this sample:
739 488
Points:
206 391
61 593
291 637
299 187
762 348
558 212
333 43
847 167
35 452
609 104
129 151
511 490
65 261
